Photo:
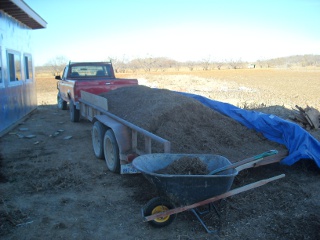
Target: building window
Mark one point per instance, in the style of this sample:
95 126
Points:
28 67
14 66
1 81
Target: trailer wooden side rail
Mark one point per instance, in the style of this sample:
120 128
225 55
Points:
95 108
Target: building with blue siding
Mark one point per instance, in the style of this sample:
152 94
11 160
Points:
18 95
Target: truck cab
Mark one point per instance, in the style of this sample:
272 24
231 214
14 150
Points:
92 77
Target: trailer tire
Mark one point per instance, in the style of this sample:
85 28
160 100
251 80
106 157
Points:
111 151
97 135
74 112
63 105
157 205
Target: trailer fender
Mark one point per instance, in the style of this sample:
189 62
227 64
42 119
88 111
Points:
121 132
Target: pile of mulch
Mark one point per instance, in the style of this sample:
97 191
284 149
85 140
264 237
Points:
190 126
186 166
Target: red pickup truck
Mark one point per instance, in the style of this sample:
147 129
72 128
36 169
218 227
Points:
92 77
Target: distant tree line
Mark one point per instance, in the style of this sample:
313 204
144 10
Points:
156 64
149 64
291 61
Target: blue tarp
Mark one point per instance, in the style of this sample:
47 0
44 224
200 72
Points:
300 144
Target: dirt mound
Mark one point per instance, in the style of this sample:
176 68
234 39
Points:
190 126
186 166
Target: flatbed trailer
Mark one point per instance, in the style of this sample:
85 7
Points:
115 139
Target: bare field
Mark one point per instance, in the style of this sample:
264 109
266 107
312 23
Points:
239 86
53 187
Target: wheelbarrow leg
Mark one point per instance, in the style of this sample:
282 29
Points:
198 214
210 206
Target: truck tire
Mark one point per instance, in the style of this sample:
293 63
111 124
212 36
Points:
97 134
74 112
61 103
111 151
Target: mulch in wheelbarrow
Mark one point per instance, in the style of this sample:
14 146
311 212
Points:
186 166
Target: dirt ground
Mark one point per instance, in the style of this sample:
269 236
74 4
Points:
53 187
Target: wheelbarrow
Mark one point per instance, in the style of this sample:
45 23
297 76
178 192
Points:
190 192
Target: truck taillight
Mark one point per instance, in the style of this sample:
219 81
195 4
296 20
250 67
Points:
132 156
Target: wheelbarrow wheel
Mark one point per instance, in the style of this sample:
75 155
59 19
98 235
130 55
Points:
157 205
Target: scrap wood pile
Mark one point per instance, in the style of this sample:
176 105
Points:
308 117
190 126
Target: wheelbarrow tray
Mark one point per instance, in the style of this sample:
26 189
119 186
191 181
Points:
186 189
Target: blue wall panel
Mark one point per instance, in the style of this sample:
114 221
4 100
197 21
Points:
17 98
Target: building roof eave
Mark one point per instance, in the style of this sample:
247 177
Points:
19 10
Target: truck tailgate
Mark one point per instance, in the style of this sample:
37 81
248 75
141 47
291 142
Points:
101 86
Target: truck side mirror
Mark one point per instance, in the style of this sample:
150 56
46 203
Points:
58 77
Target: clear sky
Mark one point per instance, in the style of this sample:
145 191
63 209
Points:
94 30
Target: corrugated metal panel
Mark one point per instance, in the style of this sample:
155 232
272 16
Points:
23 13
17 96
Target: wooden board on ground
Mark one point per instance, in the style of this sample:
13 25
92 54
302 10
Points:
308 116
313 115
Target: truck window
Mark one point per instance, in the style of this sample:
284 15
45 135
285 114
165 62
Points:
90 71
65 73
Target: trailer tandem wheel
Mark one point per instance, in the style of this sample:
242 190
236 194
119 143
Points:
97 135
111 151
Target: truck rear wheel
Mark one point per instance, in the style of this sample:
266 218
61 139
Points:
61 103
97 134
111 151
74 112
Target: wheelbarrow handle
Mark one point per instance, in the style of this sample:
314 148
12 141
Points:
244 161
